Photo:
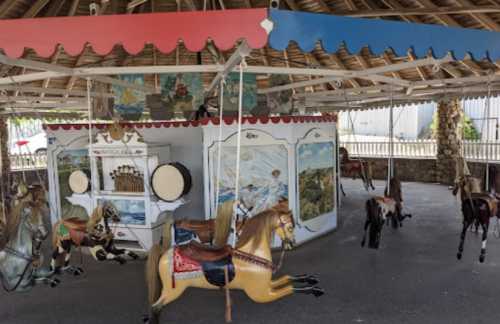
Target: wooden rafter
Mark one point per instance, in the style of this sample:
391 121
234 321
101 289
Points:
393 4
292 4
420 70
388 61
482 18
55 8
5 7
35 8
444 18
368 13
336 59
73 7
362 61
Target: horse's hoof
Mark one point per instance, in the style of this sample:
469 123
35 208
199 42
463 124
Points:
481 258
317 291
133 255
362 243
121 260
459 256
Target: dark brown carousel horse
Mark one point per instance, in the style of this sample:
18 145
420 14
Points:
381 210
89 233
355 168
478 206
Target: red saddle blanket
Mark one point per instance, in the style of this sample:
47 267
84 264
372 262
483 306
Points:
184 263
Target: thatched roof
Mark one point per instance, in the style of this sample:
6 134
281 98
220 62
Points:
457 13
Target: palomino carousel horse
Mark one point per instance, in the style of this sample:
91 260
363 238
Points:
477 207
247 267
380 210
90 233
353 168
23 231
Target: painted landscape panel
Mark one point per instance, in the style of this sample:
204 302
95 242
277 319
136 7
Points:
316 179
129 103
263 175
132 212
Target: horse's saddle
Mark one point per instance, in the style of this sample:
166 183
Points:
73 228
185 230
212 261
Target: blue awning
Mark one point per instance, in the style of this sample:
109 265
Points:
333 31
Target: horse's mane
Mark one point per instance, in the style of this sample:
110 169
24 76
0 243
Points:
13 220
223 223
257 227
96 217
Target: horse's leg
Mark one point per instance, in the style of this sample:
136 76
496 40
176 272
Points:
116 251
58 251
103 255
76 271
342 189
484 226
286 279
466 225
367 224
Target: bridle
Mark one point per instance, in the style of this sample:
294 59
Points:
32 260
284 241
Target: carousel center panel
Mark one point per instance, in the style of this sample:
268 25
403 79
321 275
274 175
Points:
280 158
143 173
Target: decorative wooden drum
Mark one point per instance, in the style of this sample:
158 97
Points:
171 181
79 181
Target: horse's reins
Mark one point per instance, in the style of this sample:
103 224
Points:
32 261
250 258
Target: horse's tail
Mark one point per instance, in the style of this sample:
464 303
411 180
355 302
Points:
372 213
55 234
152 274
223 223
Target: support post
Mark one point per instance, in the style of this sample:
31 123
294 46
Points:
449 139
4 166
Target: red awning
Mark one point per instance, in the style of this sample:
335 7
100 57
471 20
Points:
164 30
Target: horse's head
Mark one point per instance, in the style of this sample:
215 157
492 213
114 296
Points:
466 185
343 154
284 227
109 211
31 217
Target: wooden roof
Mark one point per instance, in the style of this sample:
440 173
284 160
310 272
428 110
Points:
471 76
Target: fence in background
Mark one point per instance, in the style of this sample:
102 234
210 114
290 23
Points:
423 149
28 161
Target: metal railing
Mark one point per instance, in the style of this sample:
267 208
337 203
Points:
28 161
422 149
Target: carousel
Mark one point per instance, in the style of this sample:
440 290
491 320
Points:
267 176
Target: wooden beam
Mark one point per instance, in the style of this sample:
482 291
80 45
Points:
472 66
421 72
73 8
388 61
482 18
393 4
323 6
418 11
35 8
334 57
365 65
292 5
53 91
55 8
53 60
133 4
351 5
5 7
444 19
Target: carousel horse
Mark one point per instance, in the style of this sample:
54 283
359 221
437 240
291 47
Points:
89 233
381 210
477 208
23 232
212 231
248 266
353 168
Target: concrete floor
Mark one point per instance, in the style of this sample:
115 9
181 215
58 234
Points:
413 278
